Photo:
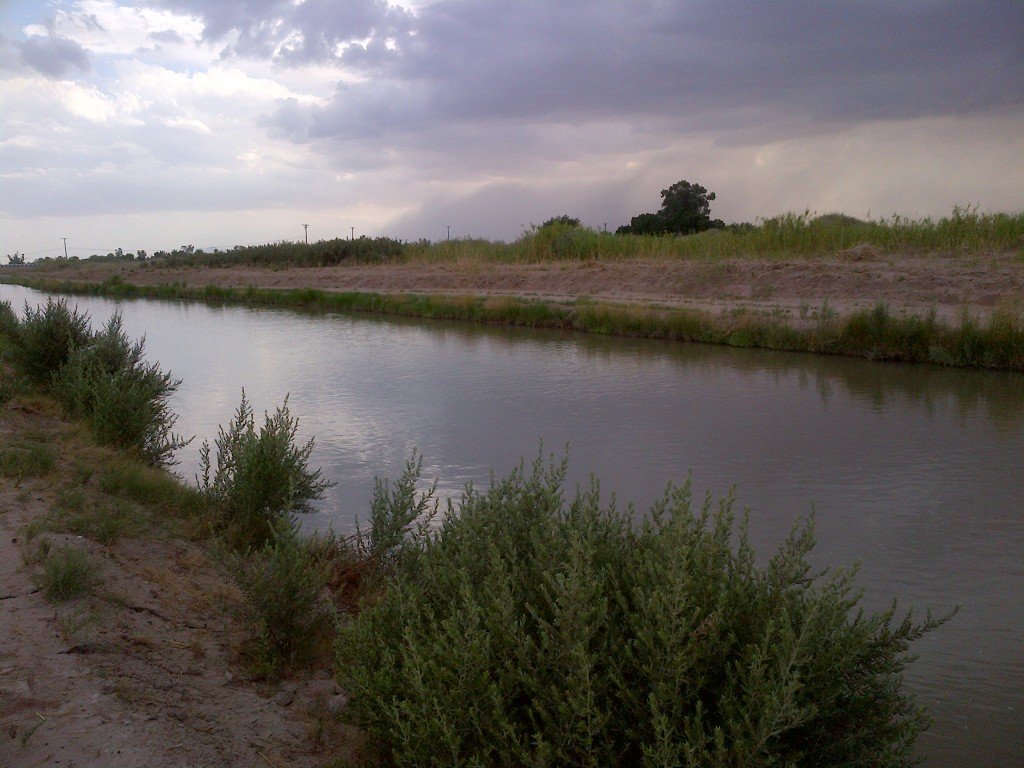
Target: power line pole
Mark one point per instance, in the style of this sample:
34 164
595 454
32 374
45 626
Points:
65 246
305 227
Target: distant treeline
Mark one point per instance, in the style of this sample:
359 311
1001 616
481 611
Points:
561 238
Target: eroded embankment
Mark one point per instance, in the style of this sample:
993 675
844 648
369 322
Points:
137 657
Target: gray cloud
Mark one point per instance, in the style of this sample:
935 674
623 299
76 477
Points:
293 33
506 209
462 78
53 56
166 36
702 65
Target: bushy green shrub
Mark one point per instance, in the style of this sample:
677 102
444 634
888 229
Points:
531 631
48 336
124 400
283 582
400 516
257 480
8 320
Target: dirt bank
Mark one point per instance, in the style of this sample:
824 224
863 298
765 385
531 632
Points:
146 669
855 279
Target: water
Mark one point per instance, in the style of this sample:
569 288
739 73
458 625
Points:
914 472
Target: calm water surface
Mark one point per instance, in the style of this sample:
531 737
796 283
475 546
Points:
914 472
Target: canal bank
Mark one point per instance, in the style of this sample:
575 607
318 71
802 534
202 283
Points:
971 336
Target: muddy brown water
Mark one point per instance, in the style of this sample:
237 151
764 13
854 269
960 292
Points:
914 472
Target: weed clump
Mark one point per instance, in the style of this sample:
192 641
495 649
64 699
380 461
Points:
27 458
258 479
67 573
101 519
528 630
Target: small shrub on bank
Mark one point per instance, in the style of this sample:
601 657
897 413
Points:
257 480
124 400
47 337
533 631
284 582
67 573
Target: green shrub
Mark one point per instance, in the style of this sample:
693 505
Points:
530 631
67 573
283 583
258 479
8 320
394 510
47 337
124 400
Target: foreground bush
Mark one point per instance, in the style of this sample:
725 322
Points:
257 480
283 583
124 400
530 631
47 336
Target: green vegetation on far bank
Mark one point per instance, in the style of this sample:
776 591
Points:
875 334
964 232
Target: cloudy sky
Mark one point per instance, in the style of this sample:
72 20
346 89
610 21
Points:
163 122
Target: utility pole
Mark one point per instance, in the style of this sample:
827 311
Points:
305 227
65 246
449 231
351 233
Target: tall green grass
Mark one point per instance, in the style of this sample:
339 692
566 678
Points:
965 231
532 629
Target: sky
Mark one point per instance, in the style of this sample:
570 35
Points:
161 123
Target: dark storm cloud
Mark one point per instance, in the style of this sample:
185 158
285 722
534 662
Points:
697 65
52 56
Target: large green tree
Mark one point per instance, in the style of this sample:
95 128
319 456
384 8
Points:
685 209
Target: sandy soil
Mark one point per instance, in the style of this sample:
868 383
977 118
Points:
858 278
145 671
